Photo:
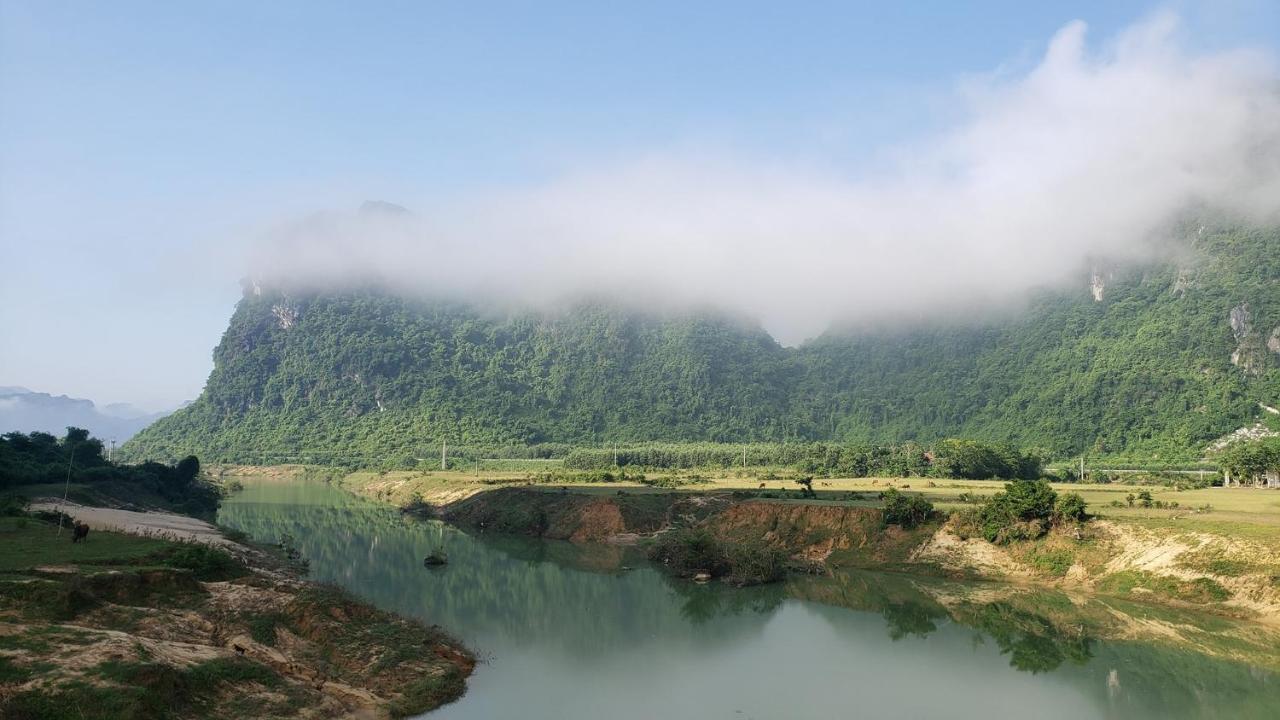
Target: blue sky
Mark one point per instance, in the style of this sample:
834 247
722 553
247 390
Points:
145 145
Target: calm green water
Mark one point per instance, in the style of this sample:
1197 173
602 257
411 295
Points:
567 634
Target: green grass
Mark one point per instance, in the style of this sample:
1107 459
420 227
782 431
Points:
429 692
41 638
12 672
262 627
108 568
138 690
1052 562
27 542
1135 583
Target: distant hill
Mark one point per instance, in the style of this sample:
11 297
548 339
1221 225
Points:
22 410
1150 361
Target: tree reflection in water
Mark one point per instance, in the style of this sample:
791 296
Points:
579 606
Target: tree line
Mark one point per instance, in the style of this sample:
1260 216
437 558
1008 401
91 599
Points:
42 458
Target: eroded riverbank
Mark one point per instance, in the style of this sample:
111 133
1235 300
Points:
136 625
1100 558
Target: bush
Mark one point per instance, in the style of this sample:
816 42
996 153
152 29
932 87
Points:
688 551
1071 507
1021 512
755 563
966 523
907 511
204 562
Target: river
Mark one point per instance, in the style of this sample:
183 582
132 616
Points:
570 632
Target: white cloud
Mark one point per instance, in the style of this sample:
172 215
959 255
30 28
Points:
1090 153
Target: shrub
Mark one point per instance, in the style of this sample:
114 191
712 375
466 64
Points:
688 550
907 511
755 563
1021 512
1071 508
966 523
692 550
204 562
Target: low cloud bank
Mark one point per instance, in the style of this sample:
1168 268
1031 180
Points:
1094 152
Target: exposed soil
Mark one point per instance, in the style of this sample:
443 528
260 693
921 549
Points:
274 646
1241 580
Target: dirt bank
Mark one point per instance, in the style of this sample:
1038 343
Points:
1235 578
580 517
164 630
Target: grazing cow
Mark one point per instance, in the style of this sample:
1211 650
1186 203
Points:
761 486
80 531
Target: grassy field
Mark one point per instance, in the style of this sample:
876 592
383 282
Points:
27 543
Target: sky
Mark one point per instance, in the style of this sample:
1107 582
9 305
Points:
152 154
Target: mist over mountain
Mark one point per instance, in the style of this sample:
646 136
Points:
1151 359
22 410
1101 149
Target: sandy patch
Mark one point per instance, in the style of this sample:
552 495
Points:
153 524
946 549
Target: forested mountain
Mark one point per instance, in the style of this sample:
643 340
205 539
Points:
1155 360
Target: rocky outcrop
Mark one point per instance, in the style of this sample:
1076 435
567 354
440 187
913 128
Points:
1098 280
1241 321
1182 283
286 314
1249 354
1257 431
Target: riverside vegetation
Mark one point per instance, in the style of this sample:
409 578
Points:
40 463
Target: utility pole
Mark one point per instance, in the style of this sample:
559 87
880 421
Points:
444 454
615 453
112 453
1082 468
66 489
744 457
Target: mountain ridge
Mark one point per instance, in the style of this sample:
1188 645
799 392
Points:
1153 360
23 410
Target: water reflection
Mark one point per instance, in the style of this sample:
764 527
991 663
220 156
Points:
572 634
